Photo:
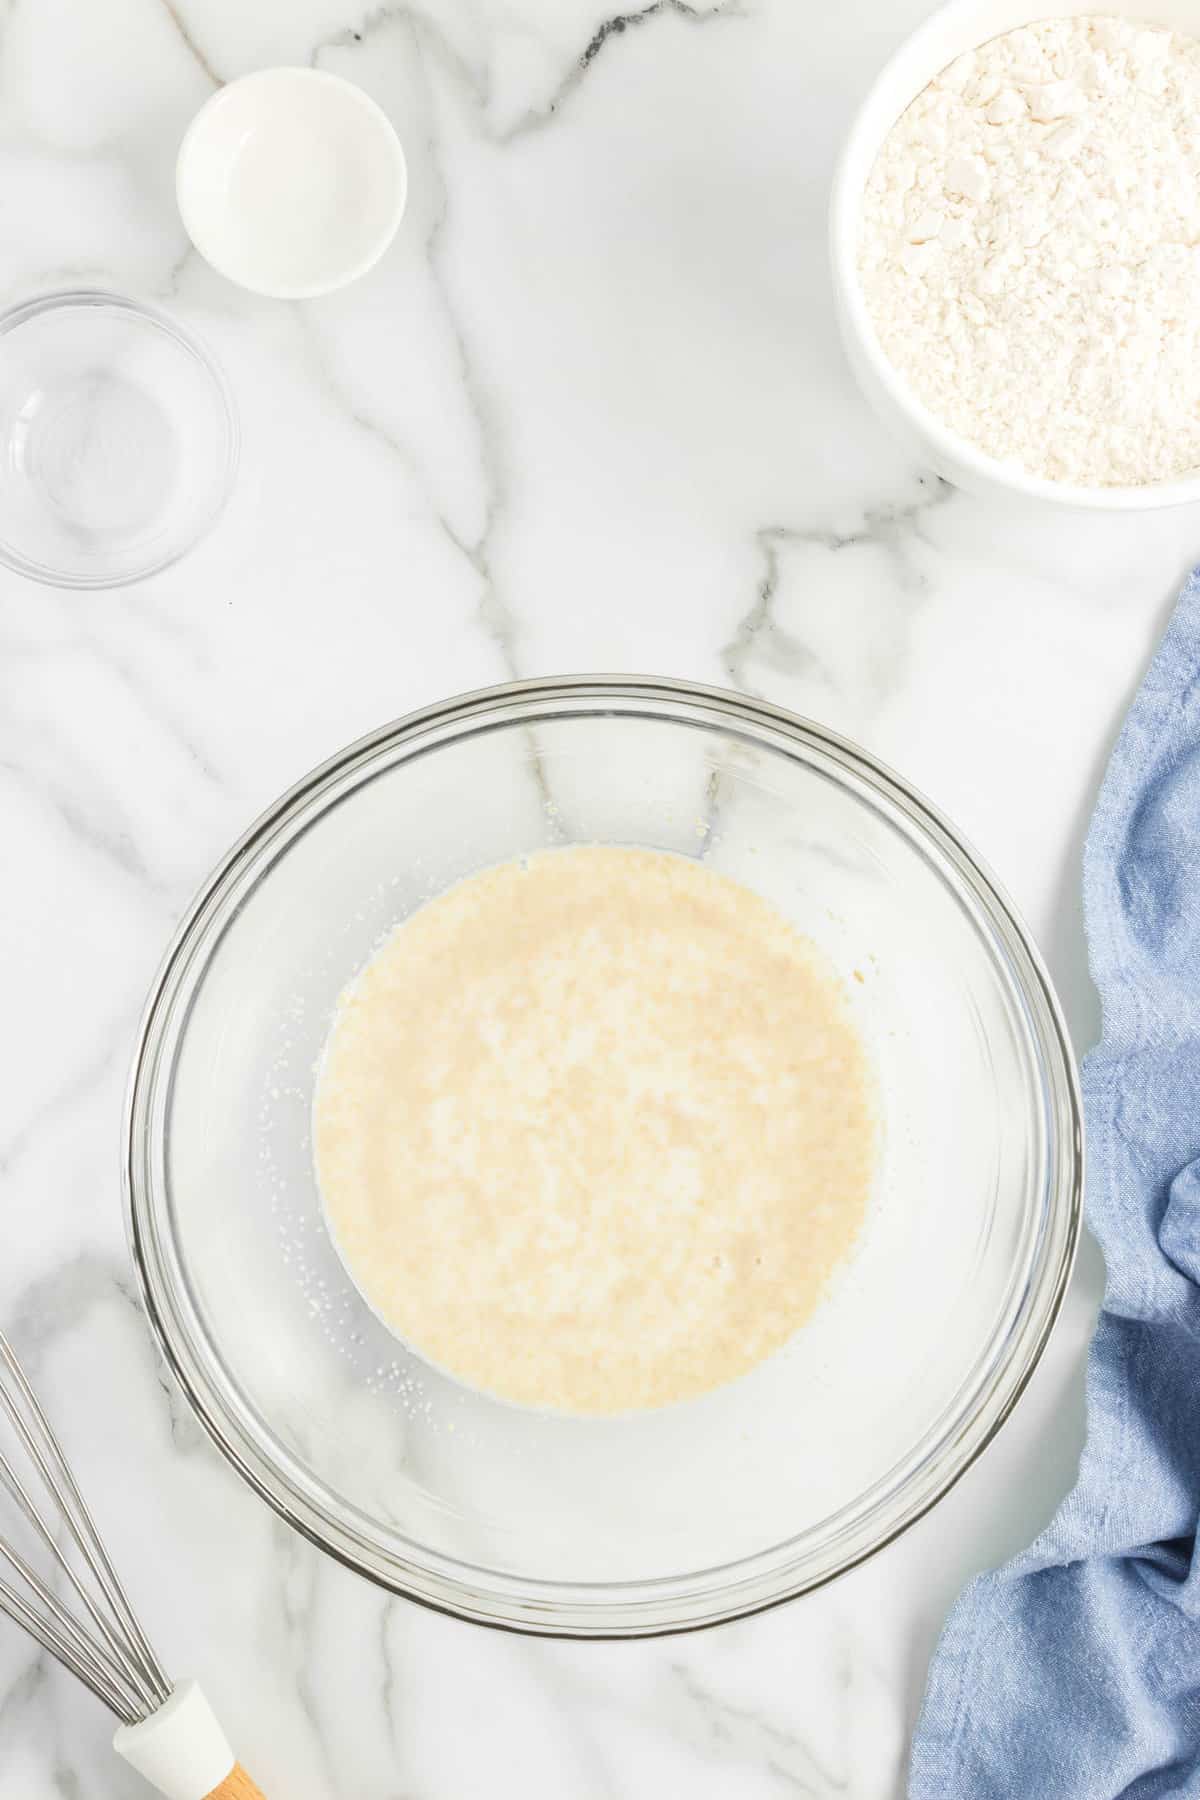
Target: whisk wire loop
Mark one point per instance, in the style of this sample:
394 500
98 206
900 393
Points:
91 1544
83 1664
59 1615
114 1657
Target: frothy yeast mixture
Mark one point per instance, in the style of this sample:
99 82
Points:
593 1130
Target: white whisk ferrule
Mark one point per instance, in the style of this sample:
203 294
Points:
180 1749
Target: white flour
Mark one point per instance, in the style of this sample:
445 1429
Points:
1030 250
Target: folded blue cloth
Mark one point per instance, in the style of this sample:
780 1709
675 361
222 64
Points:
1074 1672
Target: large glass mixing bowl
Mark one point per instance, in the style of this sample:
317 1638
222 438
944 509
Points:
702 1511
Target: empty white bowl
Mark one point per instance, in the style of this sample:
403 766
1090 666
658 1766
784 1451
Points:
291 182
962 25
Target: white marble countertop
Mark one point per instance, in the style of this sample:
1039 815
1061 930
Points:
589 413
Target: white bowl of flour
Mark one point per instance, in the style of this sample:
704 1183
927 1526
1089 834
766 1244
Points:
1015 239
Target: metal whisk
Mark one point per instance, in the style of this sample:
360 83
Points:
168 1732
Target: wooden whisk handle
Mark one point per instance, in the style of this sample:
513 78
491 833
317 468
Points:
237 1785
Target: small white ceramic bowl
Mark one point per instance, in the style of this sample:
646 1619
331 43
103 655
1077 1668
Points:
960 26
291 182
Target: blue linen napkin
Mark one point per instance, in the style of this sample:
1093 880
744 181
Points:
1074 1672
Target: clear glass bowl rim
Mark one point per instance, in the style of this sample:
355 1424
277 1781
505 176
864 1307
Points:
68 299
671 1604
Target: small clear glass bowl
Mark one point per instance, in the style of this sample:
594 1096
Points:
699 1512
119 440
